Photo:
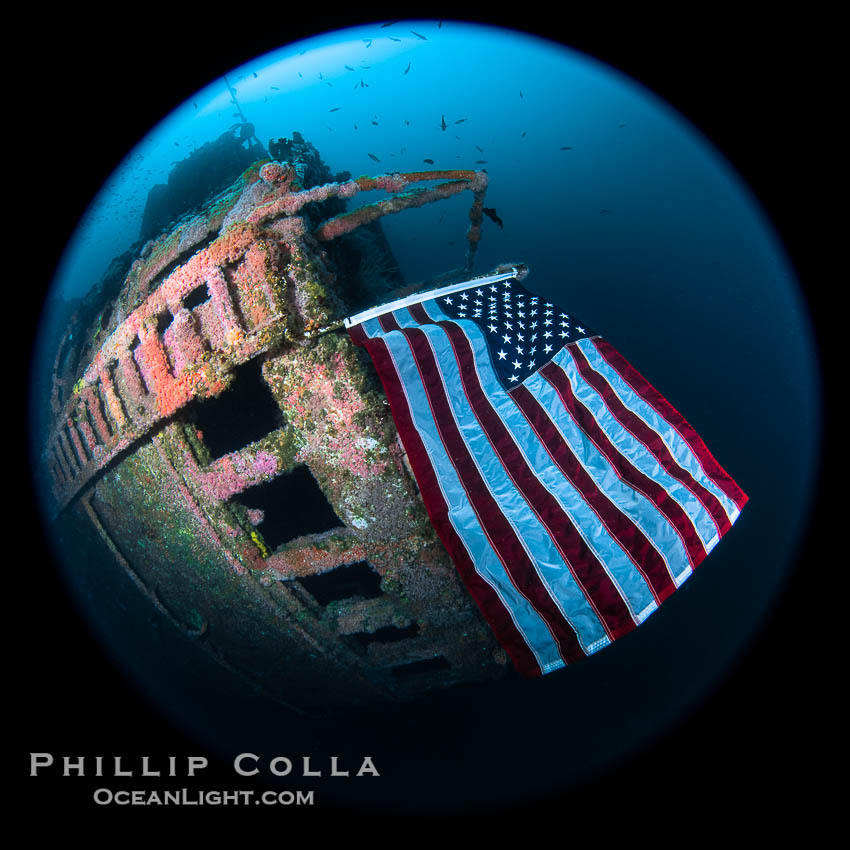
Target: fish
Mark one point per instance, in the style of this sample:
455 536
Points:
419 36
372 156
348 68
367 41
393 38
277 89
255 75
443 123
195 105
481 162
388 24
375 123
492 215
429 161
566 148
520 92
460 120
355 126
407 122
320 76
407 68
335 109
523 134
480 150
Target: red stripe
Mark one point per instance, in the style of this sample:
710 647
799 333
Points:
624 468
484 595
619 525
598 587
653 442
499 531
651 395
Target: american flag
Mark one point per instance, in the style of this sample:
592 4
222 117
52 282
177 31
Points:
571 496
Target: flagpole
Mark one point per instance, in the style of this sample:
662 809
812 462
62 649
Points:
399 303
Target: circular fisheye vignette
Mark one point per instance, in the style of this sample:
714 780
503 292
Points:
185 615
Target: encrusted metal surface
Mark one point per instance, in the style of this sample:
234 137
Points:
247 280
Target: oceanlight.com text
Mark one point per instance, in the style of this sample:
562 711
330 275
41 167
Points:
191 797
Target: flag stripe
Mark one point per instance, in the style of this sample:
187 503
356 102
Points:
679 450
549 564
623 465
629 535
623 498
501 533
461 512
636 450
494 609
713 470
653 442
587 526
463 516
593 575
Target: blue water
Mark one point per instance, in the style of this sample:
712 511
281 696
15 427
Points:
640 228
632 160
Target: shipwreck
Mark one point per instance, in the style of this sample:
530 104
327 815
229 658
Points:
214 427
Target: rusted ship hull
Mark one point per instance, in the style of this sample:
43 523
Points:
300 555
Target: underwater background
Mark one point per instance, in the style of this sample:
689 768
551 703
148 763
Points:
628 217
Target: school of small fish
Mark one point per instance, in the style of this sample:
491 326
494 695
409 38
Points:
443 124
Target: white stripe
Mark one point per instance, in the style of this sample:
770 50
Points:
461 515
614 559
418 298
552 570
676 444
632 448
626 498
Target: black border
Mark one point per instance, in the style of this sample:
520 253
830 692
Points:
755 89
